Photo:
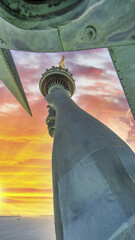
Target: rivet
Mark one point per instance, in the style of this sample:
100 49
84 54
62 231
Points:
90 33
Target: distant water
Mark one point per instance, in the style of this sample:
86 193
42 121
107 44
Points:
27 228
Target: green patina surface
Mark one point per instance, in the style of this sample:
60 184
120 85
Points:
124 61
87 24
10 77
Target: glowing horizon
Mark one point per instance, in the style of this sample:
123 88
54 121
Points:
25 157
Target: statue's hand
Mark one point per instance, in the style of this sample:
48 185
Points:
50 121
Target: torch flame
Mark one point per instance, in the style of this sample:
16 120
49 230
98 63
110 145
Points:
61 64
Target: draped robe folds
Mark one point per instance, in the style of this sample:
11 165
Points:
93 176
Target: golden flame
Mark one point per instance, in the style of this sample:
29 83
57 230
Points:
61 64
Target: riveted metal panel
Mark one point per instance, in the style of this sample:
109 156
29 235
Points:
124 61
104 24
29 40
9 76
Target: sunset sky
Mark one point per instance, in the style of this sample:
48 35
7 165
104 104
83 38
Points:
25 155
